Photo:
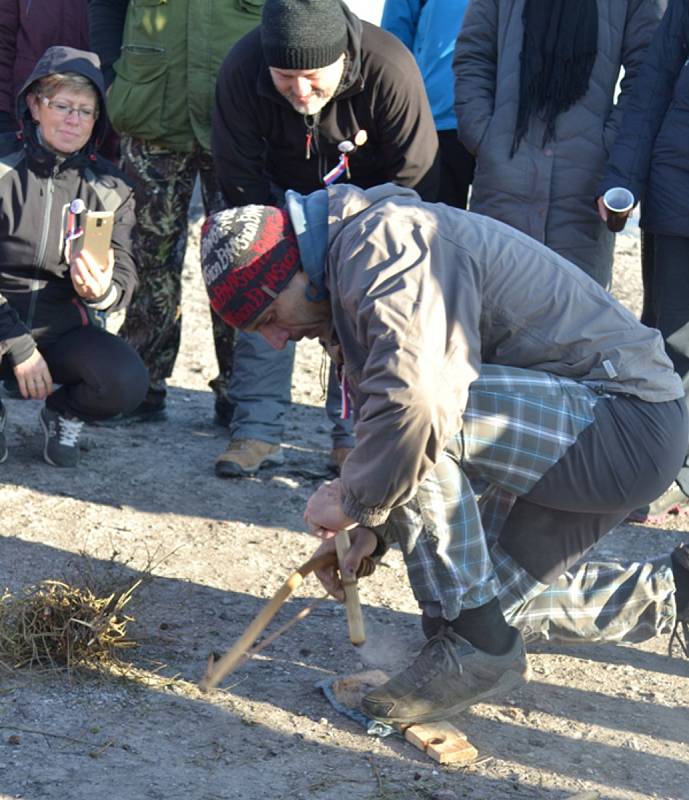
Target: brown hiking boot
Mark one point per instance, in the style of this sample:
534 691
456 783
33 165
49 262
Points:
246 456
448 676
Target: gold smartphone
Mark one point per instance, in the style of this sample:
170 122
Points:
97 235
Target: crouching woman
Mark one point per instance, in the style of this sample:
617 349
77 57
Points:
50 289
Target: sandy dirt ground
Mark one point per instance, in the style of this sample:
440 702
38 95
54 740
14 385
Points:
596 721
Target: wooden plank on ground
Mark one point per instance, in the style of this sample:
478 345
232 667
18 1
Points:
440 740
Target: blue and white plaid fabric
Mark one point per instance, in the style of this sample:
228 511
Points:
517 424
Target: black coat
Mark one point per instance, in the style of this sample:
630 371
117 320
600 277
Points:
38 302
259 140
651 154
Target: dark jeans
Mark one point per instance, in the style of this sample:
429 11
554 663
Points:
456 170
665 271
621 461
100 374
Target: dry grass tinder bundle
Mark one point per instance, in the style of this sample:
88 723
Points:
53 624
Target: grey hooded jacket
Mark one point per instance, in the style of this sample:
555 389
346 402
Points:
421 295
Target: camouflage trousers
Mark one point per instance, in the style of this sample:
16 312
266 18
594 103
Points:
163 185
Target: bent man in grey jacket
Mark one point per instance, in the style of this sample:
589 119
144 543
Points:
470 351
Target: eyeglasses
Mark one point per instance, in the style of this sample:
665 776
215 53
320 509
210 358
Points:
64 110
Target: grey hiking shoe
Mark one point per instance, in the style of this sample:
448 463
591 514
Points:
3 442
61 438
448 676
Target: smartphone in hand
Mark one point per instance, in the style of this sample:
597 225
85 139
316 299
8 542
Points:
97 236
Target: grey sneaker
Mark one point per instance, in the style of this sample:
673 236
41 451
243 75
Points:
3 442
448 676
61 438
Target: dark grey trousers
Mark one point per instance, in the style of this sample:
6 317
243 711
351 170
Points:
563 466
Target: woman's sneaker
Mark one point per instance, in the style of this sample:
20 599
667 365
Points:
3 441
61 438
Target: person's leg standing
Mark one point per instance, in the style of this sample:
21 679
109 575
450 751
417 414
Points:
260 392
670 298
457 170
163 185
648 316
223 335
342 431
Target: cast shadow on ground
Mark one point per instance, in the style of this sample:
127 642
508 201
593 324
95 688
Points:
616 654
167 467
179 622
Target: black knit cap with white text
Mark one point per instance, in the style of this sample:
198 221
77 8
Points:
303 34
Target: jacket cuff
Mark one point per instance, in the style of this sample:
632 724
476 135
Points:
20 348
370 517
105 301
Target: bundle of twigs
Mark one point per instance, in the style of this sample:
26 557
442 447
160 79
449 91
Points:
53 624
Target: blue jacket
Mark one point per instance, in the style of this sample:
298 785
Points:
651 154
429 28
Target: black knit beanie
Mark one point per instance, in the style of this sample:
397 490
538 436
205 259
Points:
303 34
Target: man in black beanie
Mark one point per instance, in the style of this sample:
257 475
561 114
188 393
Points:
311 97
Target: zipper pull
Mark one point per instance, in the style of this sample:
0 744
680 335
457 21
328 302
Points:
310 121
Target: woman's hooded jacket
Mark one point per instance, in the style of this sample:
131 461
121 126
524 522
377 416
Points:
38 302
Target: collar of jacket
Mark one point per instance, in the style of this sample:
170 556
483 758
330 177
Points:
309 217
352 80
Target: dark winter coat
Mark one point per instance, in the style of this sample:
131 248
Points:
259 140
38 302
548 192
27 29
651 154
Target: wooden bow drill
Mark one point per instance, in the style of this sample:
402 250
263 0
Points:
238 652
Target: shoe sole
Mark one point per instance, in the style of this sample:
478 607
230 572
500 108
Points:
508 681
226 469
